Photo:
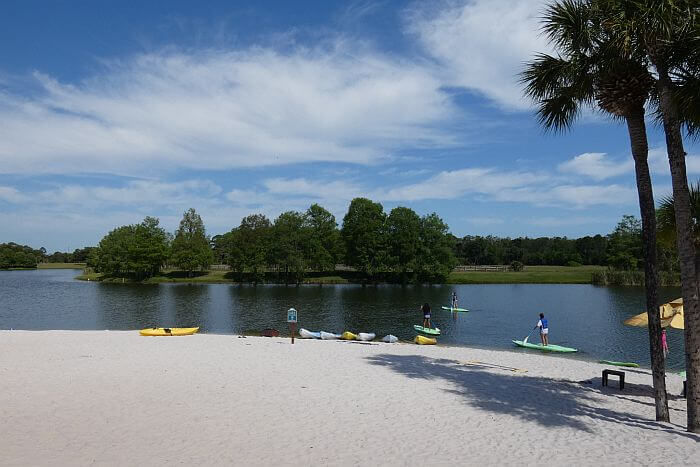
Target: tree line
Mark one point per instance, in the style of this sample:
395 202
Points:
400 246
620 250
13 255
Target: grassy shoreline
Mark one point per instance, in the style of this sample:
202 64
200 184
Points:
60 266
529 275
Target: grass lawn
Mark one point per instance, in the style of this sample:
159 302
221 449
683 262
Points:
60 265
529 275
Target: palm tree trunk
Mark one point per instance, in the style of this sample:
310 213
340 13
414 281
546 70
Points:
686 247
640 152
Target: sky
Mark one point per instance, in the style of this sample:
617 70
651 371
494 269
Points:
113 111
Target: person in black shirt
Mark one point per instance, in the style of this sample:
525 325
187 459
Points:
426 315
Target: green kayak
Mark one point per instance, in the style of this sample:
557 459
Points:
449 308
610 362
546 348
431 331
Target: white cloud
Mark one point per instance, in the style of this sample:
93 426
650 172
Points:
226 109
11 195
482 44
453 184
596 166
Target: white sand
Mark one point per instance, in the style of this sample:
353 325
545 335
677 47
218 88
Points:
116 398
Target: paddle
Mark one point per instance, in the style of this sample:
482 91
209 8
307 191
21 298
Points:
528 336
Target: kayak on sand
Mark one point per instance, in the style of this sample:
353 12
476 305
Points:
306 334
546 348
168 331
422 340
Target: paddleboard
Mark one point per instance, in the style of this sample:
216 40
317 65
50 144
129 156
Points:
431 331
366 336
629 364
546 348
449 308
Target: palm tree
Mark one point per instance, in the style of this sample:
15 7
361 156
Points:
590 71
667 32
666 219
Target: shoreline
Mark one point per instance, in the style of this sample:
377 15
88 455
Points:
576 356
114 397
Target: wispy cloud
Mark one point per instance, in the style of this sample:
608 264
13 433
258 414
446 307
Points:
224 109
482 44
596 166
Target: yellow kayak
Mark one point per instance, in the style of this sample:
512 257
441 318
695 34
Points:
348 336
168 331
422 340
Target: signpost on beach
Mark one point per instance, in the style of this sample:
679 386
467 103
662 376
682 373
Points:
292 320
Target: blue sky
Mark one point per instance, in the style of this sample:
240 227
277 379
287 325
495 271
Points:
115 110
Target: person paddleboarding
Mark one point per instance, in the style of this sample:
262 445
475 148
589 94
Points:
426 315
544 329
454 300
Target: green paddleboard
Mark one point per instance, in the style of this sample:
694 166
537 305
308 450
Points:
546 348
449 308
430 331
629 364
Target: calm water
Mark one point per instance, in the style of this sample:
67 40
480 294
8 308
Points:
582 316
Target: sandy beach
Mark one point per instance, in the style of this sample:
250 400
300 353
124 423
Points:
116 398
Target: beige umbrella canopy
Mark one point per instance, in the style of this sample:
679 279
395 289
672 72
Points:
671 315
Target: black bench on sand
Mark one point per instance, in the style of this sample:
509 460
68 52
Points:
618 373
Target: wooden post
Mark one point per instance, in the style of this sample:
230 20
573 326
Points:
292 326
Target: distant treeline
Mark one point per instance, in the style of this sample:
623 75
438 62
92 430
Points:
621 250
13 255
400 246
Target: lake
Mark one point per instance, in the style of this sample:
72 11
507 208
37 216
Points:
586 317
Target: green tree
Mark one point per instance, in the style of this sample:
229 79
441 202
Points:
190 248
133 250
436 258
591 69
323 242
290 236
250 246
364 235
667 32
625 244
403 227
13 255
